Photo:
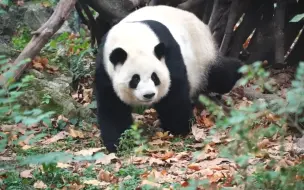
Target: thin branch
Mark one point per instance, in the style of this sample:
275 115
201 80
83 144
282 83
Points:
42 35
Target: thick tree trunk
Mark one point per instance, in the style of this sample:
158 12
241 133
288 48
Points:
218 19
279 19
250 21
229 27
207 11
262 46
42 35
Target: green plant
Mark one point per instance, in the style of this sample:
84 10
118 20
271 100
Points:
133 181
56 177
46 99
22 38
243 120
129 140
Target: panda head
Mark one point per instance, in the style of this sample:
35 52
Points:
140 75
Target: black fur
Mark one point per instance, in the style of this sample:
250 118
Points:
175 110
114 117
118 55
223 75
160 50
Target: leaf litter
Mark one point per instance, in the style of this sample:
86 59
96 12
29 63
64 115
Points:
165 161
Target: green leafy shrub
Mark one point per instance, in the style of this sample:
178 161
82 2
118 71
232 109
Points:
243 120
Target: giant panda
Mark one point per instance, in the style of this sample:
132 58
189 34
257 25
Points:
158 56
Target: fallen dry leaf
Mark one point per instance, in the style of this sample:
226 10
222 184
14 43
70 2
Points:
75 133
152 184
155 161
165 156
106 159
215 177
106 176
194 166
87 152
63 165
61 135
263 144
26 147
26 174
87 95
198 133
95 182
40 185
4 158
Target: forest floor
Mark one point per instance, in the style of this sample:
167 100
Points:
164 161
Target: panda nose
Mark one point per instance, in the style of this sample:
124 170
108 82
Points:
149 96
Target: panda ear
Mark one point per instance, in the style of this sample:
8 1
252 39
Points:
160 50
118 55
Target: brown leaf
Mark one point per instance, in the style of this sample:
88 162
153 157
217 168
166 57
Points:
40 185
4 158
263 144
87 94
159 142
26 174
165 156
155 161
198 133
194 166
215 177
139 160
150 183
61 135
208 121
63 165
12 128
107 177
95 182
44 61
184 184
87 152
26 147
105 160
161 135
75 133
38 66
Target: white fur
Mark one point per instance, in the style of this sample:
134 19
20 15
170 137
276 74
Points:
193 36
141 60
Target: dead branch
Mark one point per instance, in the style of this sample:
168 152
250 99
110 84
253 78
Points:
252 94
43 34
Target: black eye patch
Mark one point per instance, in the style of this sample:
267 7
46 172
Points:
118 55
155 79
134 81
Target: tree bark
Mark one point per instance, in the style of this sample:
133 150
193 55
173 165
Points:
229 27
250 21
207 11
262 46
218 19
279 18
42 35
